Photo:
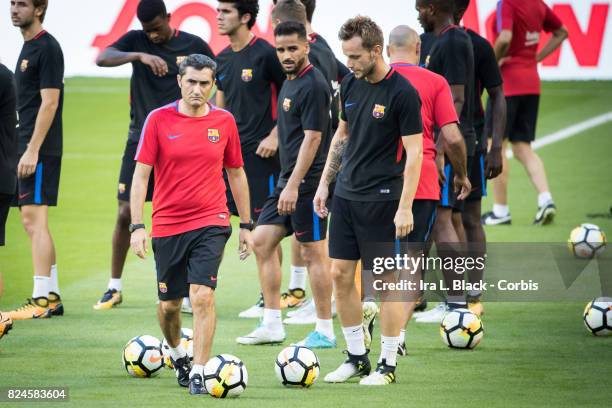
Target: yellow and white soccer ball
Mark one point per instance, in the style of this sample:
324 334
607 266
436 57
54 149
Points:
598 316
142 356
586 241
461 329
225 375
297 366
186 342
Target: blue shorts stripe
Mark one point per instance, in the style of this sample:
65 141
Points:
482 176
397 247
38 184
316 233
445 192
271 184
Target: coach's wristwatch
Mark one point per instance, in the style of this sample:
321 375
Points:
247 225
134 227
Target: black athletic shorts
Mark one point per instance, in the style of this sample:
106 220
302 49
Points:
262 175
42 187
357 226
128 165
5 205
521 117
448 195
304 222
477 177
190 257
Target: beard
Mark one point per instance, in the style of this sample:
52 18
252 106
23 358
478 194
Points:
25 23
296 68
367 69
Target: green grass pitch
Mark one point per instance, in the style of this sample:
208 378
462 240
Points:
536 354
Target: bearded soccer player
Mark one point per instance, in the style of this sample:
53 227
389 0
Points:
39 77
518 26
154 53
8 164
248 82
188 144
379 144
451 56
437 109
304 125
487 162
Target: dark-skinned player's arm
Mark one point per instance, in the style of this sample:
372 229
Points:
404 220
453 145
44 119
138 194
493 160
122 52
308 151
332 167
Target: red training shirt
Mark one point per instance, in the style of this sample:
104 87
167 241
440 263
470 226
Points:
526 19
188 155
437 108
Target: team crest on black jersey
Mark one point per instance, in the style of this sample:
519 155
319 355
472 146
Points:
213 135
379 111
427 62
247 75
180 59
287 104
24 65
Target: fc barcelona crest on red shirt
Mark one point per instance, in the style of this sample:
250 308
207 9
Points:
379 111
213 135
247 75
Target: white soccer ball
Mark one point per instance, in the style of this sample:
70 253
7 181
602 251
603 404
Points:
461 329
297 366
142 356
598 316
225 375
587 241
186 341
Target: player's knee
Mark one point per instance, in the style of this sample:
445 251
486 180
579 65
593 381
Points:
202 297
310 253
124 216
30 221
521 150
342 280
169 308
261 246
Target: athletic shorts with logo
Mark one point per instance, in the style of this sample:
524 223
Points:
521 117
192 257
128 166
357 226
41 188
303 222
262 175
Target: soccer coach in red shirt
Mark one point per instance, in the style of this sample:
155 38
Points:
188 143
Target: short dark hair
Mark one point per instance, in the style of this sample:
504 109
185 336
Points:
460 5
445 6
289 10
41 4
197 62
290 28
250 7
364 27
148 10
310 8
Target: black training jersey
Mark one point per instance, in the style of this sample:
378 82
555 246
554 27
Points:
40 66
427 40
378 115
304 104
323 58
487 75
147 90
250 80
8 133
452 56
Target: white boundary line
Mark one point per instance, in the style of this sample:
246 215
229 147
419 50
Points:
568 132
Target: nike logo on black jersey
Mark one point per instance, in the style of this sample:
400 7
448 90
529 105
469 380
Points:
349 104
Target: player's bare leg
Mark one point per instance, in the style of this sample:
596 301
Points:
266 240
204 324
458 226
501 211
169 316
296 291
477 245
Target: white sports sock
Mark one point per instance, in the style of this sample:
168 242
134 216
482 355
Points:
402 336
115 284
177 352
53 283
197 369
41 287
500 210
325 327
354 340
388 350
272 319
298 277
544 198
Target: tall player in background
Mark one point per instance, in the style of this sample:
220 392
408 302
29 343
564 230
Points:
437 109
486 164
154 53
39 76
249 77
518 25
